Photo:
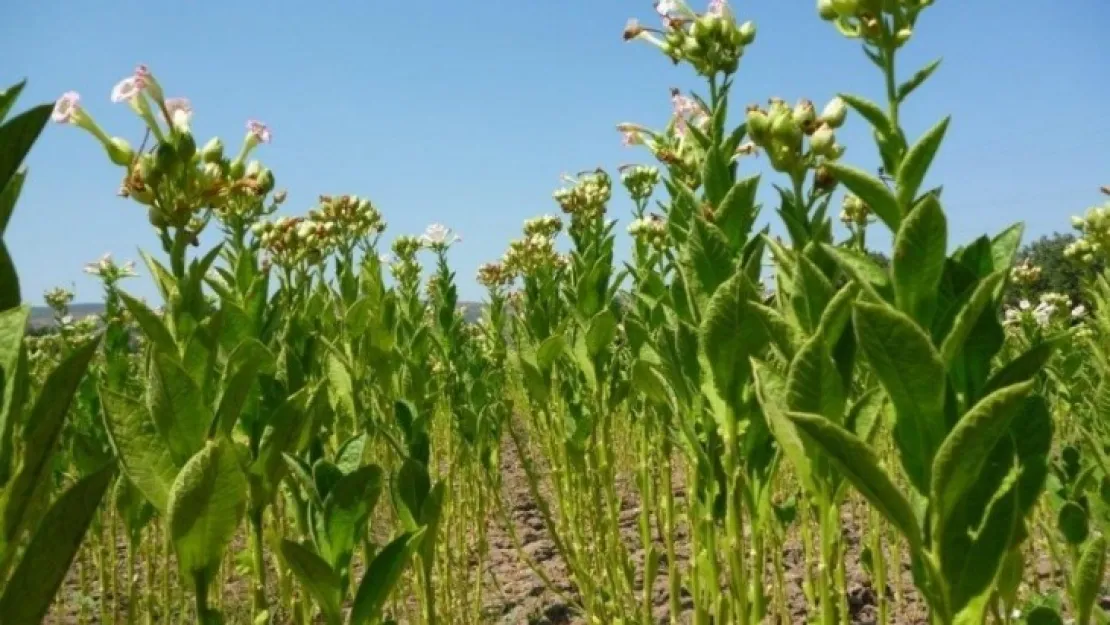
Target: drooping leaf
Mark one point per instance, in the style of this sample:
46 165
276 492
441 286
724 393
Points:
871 190
29 592
152 326
771 391
142 453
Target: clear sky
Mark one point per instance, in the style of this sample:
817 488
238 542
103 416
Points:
467 113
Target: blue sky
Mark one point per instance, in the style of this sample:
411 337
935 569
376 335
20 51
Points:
467 113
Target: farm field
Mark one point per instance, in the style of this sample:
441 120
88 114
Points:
725 425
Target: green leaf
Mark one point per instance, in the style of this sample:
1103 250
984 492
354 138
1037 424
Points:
152 326
17 135
549 351
916 164
710 256
9 195
1024 366
871 112
142 453
716 179
863 270
968 446
1073 522
812 292
813 384
13 384
47 559
915 81
346 508
317 578
340 387
737 211
857 462
783 335
871 190
243 366
966 319
9 96
206 504
40 436
381 577
10 296
1004 247
177 407
911 371
770 389
863 415
411 485
602 330
728 336
918 264
1088 577
650 382
283 432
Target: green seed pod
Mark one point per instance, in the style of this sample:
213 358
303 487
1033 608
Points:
236 170
692 49
747 33
902 36
805 116
826 10
703 26
758 125
212 151
149 170
165 157
266 181
120 152
845 8
822 141
186 146
786 130
156 218
254 168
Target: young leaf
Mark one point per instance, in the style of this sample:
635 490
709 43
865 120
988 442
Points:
863 270
919 253
151 324
381 576
728 336
10 296
177 407
968 446
812 292
30 591
912 373
1004 247
770 389
710 256
813 384
317 578
9 96
916 164
1024 366
346 508
206 503
871 190
857 462
915 81
869 111
142 453
737 211
969 315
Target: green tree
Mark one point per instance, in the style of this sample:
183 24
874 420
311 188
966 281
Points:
1058 274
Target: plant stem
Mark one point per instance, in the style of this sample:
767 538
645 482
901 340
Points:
258 595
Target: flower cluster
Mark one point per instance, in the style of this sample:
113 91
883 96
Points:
530 255
1053 309
586 197
1094 242
640 181
347 218
781 130
674 146
862 19
108 271
494 276
292 241
1025 275
711 42
548 226
58 299
405 268
438 237
651 229
175 180
854 212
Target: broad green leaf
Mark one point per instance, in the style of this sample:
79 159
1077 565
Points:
863 270
916 164
302 475
177 407
141 451
9 96
1024 366
737 211
710 257
17 135
10 296
1004 247
346 508
911 372
283 433
47 559
341 387
716 179
968 316
770 387
648 381
382 575
602 330
812 292
919 254
869 189
40 436
1043 615
834 319
317 578
243 366
152 326
206 504
1074 523
728 335
857 462
915 81
813 384
783 335
9 195
549 351
864 414
968 446
1088 577
349 455
13 386
411 485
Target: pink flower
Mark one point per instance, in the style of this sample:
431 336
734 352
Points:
719 8
66 107
259 130
128 88
180 111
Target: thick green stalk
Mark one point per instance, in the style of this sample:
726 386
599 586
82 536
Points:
878 566
258 592
829 525
673 576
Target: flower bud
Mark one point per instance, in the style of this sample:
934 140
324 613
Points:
845 8
266 181
747 33
703 26
165 157
212 151
156 218
805 115
826 10
836 111
822 140
758 124
119 150
786 130
254 168
236 170
280 196
902 36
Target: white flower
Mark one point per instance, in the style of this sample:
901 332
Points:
180 111
1012 315
67 320
438 236
719 8
1079 311
1024 304
128 88
673 8
66 107
260 131
1042 316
